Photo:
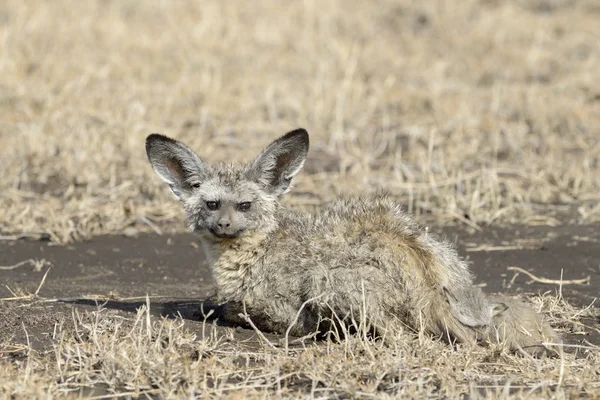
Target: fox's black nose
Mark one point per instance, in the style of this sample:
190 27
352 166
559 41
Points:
224 223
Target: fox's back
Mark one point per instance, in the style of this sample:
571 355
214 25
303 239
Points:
359 252
367 230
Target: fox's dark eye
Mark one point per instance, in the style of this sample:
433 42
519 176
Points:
212 205
195 185
244 206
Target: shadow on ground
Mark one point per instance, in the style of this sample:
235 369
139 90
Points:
117 273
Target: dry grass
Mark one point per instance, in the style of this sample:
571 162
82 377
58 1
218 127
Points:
102 354
483 108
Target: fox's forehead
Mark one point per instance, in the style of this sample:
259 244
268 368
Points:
230 174
229 184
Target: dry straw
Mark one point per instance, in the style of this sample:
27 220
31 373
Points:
479 112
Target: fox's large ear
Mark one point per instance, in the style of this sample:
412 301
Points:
281 161
175 163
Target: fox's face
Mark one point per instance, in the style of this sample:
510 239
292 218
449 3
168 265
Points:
228 205
229 201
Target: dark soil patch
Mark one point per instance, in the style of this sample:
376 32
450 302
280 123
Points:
108 271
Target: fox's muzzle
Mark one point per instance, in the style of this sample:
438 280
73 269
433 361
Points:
226 225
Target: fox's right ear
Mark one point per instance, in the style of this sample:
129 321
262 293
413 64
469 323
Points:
281 161
176 164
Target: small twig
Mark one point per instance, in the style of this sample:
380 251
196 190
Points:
10 290
151 224
587 308
547 281
13 348
289 329
17 265
575 346
124 394
487 248
591 328
246 318
560 287
37 264
29 296
148 324
28 365
42 282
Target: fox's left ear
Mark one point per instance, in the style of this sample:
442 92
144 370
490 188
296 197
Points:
176 164
281 161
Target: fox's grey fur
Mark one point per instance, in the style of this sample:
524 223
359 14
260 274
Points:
356 258
503 320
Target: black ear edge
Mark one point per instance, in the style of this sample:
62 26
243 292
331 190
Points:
155 138
299 137
300 133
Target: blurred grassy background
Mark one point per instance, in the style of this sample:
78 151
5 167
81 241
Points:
480 111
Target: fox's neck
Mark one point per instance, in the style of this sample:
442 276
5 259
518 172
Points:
232 261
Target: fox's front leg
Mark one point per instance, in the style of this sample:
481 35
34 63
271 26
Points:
240 314
234 314
291 321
